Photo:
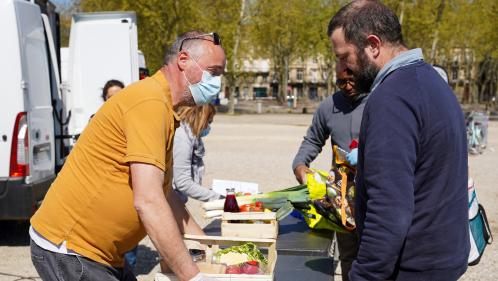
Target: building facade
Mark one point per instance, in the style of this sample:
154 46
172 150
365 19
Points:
307 79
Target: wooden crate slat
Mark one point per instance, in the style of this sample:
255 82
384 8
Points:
249 216
250 224
249 230
221 277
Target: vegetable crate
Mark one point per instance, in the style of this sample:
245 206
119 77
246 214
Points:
249 224
211 244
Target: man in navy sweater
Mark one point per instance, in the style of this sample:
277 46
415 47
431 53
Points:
411 198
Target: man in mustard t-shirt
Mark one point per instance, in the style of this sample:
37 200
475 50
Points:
111 191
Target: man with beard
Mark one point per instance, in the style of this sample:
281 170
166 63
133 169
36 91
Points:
111 191
337 117
411 197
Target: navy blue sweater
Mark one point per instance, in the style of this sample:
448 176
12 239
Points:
411 204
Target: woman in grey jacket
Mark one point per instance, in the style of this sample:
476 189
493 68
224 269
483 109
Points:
188 151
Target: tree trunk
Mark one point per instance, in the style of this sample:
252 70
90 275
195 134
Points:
330 79
282 85
231 105
435 39
231 100
402 12
486 82
495 84
483 69
326 68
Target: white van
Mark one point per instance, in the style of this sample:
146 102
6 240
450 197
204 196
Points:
143 72
39 122
102 46
27 131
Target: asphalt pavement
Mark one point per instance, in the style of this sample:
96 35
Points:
260 149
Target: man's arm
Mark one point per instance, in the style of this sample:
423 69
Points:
315 139
389 156
185 221
159 220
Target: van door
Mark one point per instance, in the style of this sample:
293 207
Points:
102 46
36 90
10 81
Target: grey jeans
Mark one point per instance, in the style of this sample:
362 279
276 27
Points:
61 267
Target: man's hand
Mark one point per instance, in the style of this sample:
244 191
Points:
352 157
159 220
301 171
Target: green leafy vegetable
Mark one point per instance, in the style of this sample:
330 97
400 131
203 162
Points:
249 248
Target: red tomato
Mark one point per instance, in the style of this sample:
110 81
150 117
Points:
250 268
245 208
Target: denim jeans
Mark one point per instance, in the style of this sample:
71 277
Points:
131 258
62 267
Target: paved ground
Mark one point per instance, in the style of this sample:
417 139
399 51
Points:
260 148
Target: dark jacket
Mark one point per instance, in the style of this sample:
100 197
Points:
411 198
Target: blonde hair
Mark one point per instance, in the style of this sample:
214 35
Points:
197 117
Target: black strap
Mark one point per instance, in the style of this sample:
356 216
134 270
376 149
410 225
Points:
489 238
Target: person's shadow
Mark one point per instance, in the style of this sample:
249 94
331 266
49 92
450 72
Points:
14 233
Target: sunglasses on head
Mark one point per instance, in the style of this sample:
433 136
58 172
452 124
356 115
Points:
342 83
216 39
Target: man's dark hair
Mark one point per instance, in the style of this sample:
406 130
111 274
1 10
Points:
109 84
361 18
173 49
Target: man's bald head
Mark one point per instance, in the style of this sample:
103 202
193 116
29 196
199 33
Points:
194 42
192 54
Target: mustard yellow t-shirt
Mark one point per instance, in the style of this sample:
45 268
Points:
90 204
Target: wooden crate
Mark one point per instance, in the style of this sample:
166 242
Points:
212 244
250 224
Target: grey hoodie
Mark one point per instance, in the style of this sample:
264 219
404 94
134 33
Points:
336 117
188 166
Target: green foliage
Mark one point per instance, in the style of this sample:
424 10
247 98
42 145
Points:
466 26
482 26
221 16
288 30
159 22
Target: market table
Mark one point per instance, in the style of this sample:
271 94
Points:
302 254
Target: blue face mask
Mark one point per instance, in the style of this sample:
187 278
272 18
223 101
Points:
205 90
205 132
